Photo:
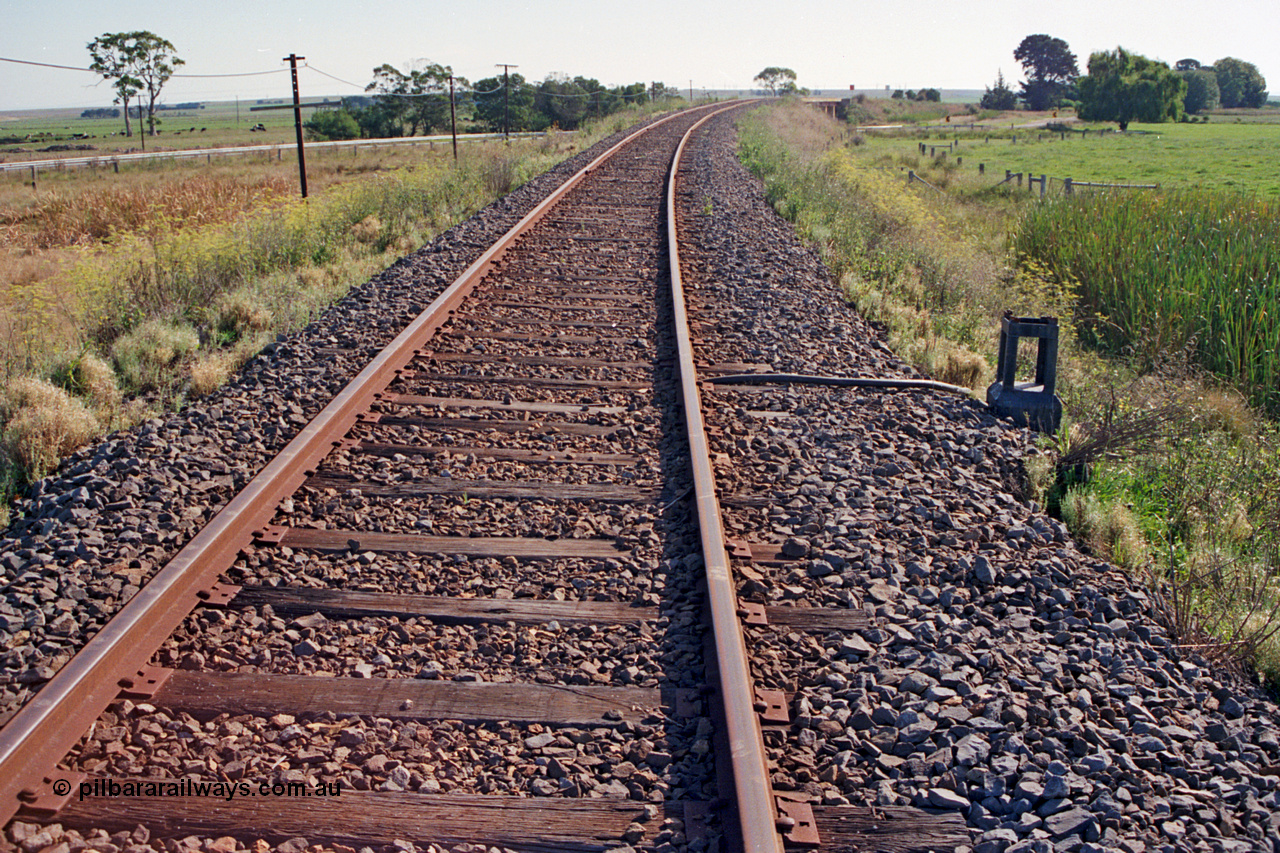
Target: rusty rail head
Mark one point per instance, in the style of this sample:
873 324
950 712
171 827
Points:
51 723
754 793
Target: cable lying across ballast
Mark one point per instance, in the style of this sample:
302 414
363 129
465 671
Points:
838 381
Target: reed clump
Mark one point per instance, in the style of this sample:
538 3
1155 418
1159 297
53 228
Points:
1157 272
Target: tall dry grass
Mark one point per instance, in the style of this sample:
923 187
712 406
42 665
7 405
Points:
42 423
171 253
80 219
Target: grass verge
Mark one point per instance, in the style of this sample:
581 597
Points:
1160 466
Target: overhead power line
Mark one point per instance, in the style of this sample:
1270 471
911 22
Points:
525 85
91 71
44 64
331 77
391 94
241 74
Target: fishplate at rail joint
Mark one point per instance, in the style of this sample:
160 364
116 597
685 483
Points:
796 824
46 801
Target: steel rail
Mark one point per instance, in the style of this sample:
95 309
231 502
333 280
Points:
49 725
753 791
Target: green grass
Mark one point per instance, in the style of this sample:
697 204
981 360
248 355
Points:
1223 154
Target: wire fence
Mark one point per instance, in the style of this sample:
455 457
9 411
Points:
113 161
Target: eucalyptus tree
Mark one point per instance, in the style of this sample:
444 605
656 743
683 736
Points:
779 81
155 60
112 55
418 97
140 62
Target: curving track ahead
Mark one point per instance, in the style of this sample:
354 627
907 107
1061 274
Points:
515 463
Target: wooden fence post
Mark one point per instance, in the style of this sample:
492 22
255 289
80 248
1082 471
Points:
982 168
1066 186
1043 184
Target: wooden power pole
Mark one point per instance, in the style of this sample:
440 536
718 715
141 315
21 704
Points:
292 59
453 119
506 99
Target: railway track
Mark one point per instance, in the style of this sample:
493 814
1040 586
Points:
551 575
465 604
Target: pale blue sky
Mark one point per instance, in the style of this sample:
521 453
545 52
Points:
714 43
